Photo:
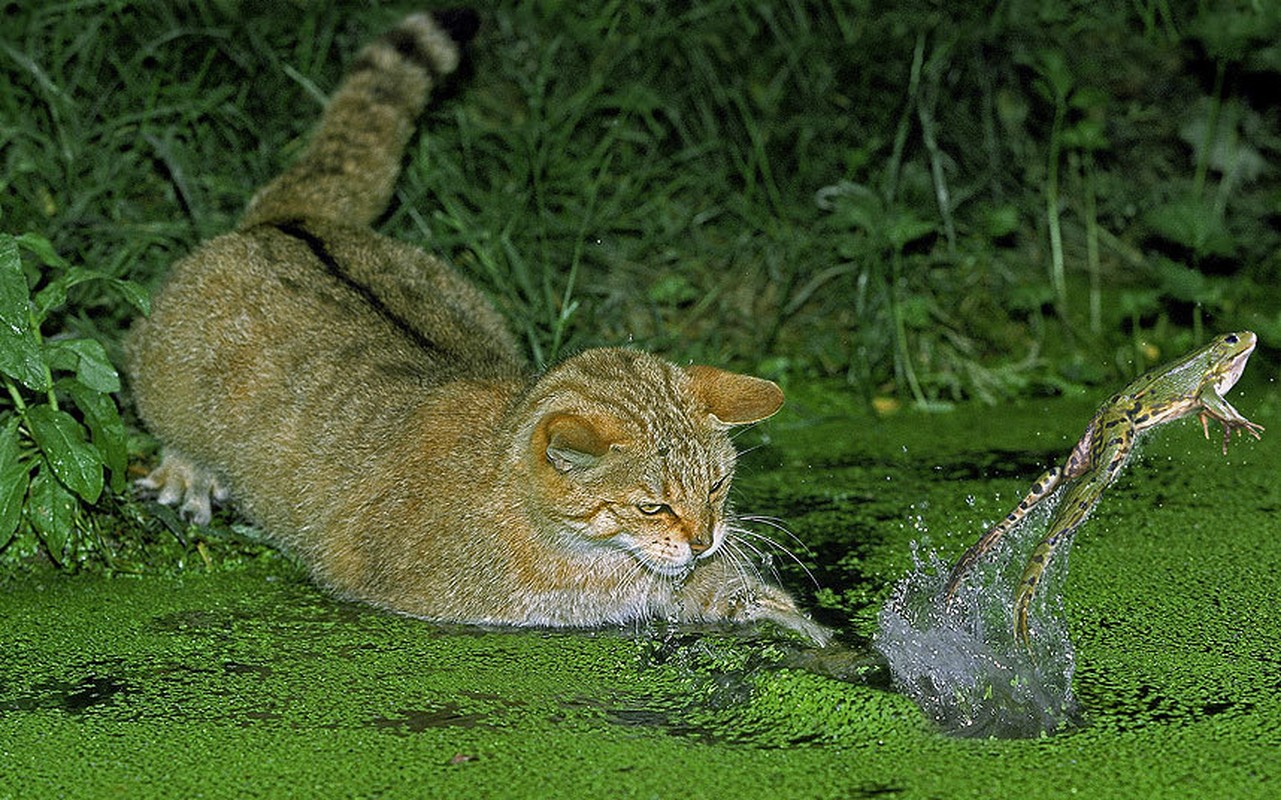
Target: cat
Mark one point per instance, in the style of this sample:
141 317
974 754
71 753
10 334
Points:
367 407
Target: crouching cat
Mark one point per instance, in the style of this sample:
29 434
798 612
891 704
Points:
366 406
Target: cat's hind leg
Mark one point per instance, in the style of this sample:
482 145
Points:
180 481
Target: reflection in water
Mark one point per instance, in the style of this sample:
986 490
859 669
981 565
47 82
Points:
959 659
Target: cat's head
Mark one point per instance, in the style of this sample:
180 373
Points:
629 452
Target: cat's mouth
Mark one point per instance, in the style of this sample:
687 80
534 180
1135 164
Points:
670 565
664 556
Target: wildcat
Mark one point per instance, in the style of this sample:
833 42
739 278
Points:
367 406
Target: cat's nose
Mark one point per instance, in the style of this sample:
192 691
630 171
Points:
701 541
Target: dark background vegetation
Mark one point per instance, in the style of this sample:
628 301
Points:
928 203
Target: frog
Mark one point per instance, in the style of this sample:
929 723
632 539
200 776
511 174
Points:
1193 384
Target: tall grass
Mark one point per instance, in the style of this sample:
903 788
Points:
670 174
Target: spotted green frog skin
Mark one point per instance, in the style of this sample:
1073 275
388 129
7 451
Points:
1195 384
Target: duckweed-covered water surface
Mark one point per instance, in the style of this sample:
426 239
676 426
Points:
250 682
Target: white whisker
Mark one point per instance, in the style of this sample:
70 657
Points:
628 576
741 563
778 525
750 558
742 533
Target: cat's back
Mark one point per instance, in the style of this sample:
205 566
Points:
272 329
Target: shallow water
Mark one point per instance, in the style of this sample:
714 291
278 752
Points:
250 682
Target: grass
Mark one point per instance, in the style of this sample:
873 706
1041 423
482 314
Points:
620 172
886 196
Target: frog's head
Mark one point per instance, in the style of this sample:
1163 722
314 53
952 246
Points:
1227 355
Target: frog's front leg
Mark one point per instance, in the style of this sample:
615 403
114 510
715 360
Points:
1215 407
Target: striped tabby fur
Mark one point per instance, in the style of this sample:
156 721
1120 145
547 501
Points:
366 406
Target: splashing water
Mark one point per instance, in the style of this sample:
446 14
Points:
959 659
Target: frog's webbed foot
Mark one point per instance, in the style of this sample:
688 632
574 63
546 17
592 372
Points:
1231 421
181 482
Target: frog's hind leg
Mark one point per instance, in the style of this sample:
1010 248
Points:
1076 506
1044 486
180 481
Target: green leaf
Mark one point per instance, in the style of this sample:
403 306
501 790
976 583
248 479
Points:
42 248
1184 283
137 296
1000 221
51 510
673 291
89 361
905 227
1194 224
54 293
62 440
19 341
1087 134
1090 98
915 311
14 479
1053 68
103 420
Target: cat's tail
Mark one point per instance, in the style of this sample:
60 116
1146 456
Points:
349 171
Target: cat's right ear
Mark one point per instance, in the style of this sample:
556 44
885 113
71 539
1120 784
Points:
734 399
574 441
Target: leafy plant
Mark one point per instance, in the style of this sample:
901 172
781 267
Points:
62 442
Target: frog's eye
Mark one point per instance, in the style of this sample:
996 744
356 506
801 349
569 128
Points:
653 509
1231 338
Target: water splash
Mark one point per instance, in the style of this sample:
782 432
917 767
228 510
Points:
959 659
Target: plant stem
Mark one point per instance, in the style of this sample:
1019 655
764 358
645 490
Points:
1211 130
16 395
1057 276
904 122
925 113
1092 243
903 357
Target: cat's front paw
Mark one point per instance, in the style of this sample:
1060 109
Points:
778 607
179 481
755 602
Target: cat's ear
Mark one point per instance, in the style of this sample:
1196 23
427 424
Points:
576 442
732 398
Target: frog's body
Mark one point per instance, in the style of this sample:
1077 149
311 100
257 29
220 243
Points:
1194 384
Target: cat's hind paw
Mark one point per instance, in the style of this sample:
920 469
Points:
180 482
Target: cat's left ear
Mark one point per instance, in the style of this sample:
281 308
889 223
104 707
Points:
732 398
576 442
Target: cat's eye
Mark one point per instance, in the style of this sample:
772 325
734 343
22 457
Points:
719 484
652 509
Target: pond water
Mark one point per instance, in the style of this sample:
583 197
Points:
249 682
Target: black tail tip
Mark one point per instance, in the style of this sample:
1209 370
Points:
460 23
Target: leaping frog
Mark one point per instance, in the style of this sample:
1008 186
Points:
1195 383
